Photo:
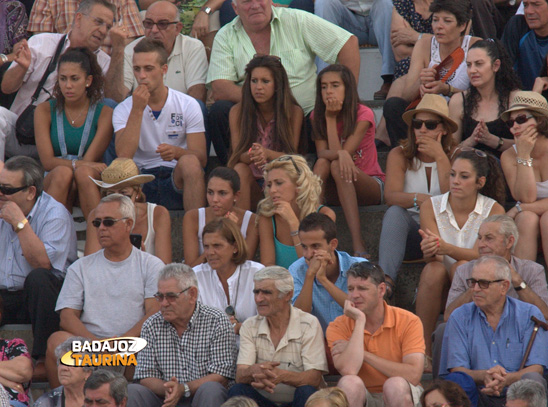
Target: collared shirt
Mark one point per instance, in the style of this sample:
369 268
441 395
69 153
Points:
42 48
296 36
300 349
324 307
532 273
186 65
56 16
470 342
400 334
53 225
207 346
449 229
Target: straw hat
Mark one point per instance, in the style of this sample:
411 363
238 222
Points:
121 173
532 101
431 103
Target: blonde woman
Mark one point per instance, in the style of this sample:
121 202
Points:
329 397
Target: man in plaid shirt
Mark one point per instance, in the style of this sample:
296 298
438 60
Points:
191 348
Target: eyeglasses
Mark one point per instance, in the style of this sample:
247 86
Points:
162 25
108 222
99 22
430 124
522 118
289 158
479 153
170 297
11 190
483 284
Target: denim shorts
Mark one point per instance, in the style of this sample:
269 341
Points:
162 190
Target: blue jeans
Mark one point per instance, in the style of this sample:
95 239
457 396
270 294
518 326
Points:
162 190
373 29
300 397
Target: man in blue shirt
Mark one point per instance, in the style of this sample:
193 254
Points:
320 275
485 341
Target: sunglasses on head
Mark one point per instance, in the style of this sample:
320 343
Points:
430 124
479 153
265 56
162 25
108 222
289 158
11 190
522 118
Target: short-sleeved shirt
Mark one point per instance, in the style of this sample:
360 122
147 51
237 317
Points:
324 307
42 48
53 225
296 36
110 294
532 273
181 115
207 346
186 65
470 342
400 334
9 349
300 349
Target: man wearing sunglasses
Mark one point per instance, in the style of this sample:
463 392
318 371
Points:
191 352
37 244
109 293
485 340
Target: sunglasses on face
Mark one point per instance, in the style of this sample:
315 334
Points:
162 25
170 297
11 190
483 284
108 222
522 118
430 124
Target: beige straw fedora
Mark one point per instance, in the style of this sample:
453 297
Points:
121 173
431 103
531 101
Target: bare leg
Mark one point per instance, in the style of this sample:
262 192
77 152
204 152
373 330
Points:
51 360
250 192
322 169
528 228
397 393
189 176
58 184
88 192
354 389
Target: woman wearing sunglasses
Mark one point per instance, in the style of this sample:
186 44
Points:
225 281
493 84
526 170
152 222
449 230
292 191
416 170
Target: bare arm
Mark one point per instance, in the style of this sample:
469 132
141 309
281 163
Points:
151 307
347 362
18 370
410 368
226 90
402 49
349 56
520 178
266 241
115 75
191 247
455 113
198 92
13 78
127 139
162 230
419 60
70 322
235 136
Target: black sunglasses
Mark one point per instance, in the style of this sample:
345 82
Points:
289 158
11 190
483 284
479 153
108 222
268 56
162 25
430 124
522 118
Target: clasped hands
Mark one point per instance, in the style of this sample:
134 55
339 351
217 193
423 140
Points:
494 380
431 244
266 376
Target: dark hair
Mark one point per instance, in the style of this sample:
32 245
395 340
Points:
283 106
33 173
488 167
117 384
452 392
231 232
319 221
85 6
349 111
150 45
228 175
365 270
88 63
542 124
461 9
506 79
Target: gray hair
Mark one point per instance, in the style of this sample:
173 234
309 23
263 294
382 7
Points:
183 273
530 391
126 209
239 401
85 6
33 173
507 227
502 267
281 276
117 384
66 346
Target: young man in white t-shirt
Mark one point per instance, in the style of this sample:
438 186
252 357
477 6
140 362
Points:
162 130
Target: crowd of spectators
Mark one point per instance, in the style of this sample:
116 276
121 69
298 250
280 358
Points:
112 106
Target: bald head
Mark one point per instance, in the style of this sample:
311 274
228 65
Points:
164 7
163 12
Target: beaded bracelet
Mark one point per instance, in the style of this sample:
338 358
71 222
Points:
415 205
526 162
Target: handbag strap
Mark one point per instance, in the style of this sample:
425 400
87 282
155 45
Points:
51 67
85 133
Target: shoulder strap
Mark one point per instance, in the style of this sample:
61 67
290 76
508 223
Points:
51 67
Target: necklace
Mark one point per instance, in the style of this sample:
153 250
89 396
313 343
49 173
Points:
231 309
77 117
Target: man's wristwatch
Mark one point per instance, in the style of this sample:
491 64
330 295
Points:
206 10
20 225
520 287
187 391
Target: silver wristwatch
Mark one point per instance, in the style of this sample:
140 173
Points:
187 391
520 287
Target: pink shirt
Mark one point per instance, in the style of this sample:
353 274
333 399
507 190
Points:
264 138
